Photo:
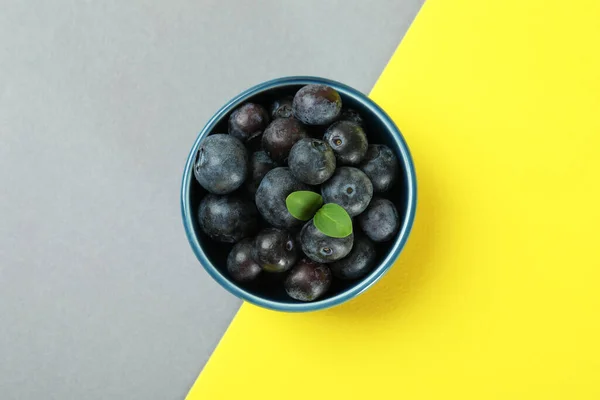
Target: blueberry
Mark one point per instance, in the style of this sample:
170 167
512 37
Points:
275 187
317 105
227 219
322 248
380 221
248 121
308 280
260 164
358 263
348 141
221 164
240 263
275 250
350 188
381 166
350 114
282 108
312 161
280 136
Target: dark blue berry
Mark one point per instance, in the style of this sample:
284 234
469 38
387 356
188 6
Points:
248 121
348 141
280 136
282 108
358 263
275 250
380 221
260 164
312 161
241 264
221 164
381 166
228 218
352 115
317 105
322 248
308 280
350 188
275 187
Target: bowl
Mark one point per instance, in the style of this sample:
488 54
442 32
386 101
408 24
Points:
379 128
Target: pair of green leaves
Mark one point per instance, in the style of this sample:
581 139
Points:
331 218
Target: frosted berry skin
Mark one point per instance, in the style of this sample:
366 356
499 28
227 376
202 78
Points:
280 136
312 161
322 248
241 265
259 165
275 250
248 121
381 166
308 280
221 164
380 221
274 188
348 141
358 263
350 188
317 105
228 218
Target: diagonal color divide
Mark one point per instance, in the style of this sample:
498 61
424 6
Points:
496 294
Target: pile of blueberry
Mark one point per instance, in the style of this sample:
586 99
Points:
305 143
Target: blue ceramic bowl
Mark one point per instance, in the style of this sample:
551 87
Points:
379 128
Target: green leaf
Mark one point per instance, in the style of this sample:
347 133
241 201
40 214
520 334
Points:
333 221
303 204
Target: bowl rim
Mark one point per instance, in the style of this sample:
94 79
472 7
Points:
376 274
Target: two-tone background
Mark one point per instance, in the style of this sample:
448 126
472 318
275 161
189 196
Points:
100 294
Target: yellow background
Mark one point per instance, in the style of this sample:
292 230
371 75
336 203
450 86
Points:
497 294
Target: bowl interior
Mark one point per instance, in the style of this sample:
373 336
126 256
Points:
270 289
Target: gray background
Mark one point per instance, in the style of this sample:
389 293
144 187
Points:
100 101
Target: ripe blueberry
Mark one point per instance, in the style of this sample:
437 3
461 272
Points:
275 250
248 121
322 248
228 218
280 136
317 105
348 141
358 263
350 188
381 166
350 114
221 164
260 164
282 108
380 221
275 187
312 161
308 280
240 263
